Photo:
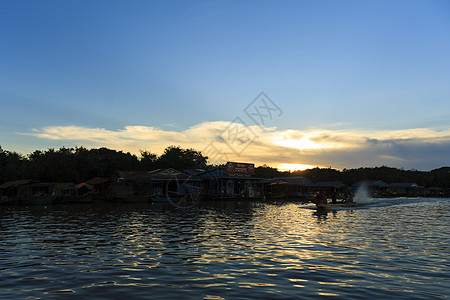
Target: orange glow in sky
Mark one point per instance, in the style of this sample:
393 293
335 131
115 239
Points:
294 167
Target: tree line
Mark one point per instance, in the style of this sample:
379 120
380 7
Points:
437 178
80 164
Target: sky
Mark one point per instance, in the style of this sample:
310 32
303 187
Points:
290 84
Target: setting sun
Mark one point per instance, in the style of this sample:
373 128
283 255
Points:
294 167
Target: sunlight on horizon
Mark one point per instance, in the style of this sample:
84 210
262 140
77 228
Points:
294 167
306 140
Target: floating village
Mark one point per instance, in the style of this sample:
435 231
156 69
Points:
233 181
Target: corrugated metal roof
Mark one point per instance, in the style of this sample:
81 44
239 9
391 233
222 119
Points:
378 183
134 175
291 180
404 184
97 180
16 183
168 173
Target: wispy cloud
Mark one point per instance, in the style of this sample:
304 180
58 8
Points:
419 148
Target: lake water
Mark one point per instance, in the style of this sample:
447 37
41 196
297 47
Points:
389 248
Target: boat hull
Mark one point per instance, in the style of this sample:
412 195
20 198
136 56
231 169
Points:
339 205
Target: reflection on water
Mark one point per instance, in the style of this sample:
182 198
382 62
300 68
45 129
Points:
397 248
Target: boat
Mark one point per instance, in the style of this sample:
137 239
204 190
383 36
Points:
339 205
84 193
36 193
132 187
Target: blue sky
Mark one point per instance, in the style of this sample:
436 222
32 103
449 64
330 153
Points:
359 83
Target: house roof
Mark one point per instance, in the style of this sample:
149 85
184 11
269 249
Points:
158 174
221 172
84 184
215 172
335 184
16 183
64 186
193 172
97 180
168 173
404 184
290 180
133 175
376 183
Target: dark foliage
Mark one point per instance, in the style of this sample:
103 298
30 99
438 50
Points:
12 166
181 159
438 178
265 171
80 164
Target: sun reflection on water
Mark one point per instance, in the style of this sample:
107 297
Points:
235 250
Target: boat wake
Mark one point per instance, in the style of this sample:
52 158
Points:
362 200
362 196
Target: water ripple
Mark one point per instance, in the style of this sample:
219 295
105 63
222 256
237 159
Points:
214 251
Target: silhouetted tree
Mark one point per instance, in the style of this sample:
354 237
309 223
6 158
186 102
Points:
318 174
181 159
106 162
13 166
80 164
265 171
148 160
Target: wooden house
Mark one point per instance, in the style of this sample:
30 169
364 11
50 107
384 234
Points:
33 192
332 188
233 181
173 185
375 188
407 189
289 188
132 186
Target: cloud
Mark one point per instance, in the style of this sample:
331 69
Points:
417 148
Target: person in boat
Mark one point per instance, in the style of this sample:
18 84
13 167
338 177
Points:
349 198
333 198
317 199
321 199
